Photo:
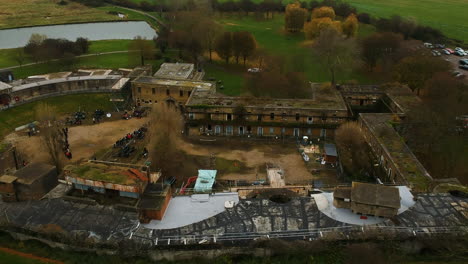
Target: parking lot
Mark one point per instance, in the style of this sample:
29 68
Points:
453 59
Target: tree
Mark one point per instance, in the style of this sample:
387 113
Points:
313 28
223 46
243 44
335 52
295 17
249 45
165 129
416 70
355 155
208 30
34 46
178 39
51 135
144 48
432 130
162 40
20 56
380 46
350 26
82 45
324 11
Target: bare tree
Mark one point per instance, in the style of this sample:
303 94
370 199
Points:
165 129
208 30
335 52
20 56
353 150
51 134
144 47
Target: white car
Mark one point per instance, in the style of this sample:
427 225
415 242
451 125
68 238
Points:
428 45
254 70
305 157
460 53
446 52
458 48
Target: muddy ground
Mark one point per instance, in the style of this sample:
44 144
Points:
235 159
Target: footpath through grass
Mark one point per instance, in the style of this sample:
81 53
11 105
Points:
24 114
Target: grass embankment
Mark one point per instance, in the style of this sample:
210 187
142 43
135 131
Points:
23 114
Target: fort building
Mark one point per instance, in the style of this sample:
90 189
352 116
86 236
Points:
395 157
207 112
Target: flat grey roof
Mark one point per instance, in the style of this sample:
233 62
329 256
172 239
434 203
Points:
178 71
186 210
330 149
68 79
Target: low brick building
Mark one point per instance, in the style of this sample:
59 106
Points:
29 183
112 179
368 199
154 202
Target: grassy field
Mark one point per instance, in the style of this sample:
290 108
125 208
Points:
271 37
21 115
21 13
8 258
449 16
111 61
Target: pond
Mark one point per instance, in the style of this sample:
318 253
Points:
19 37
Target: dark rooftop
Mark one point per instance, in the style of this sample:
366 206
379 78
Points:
375 194
33 172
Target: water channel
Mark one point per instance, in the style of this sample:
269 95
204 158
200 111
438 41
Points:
19 37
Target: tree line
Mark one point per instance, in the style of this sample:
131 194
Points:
42 48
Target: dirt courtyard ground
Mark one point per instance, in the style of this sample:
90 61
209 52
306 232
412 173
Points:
255 155
84 141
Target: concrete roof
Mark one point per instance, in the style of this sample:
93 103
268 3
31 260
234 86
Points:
68 79
204 97
8 179
33 172
330 149
186 210
375 194
4 86
177 71
174 83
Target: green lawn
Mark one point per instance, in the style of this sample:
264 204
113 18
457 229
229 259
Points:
231 77
8 258
271 37
111 61
24 114
449 16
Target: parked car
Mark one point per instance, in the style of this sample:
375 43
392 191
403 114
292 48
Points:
436 53
464 67
460 53
254 70
428 45
450 50
305 157
446 52
458 48
440 46
463 62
